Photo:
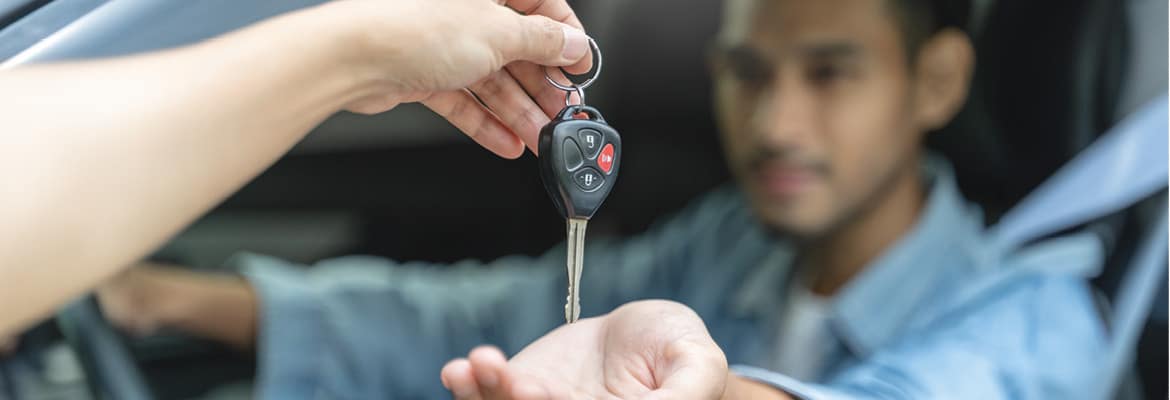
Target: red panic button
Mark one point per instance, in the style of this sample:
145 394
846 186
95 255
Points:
605 159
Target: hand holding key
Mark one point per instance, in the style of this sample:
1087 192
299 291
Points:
460 47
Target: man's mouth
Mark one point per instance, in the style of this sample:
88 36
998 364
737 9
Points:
782 180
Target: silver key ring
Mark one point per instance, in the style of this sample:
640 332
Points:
580 94
578 87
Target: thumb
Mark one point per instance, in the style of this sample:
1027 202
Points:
691 382
692 371
541 40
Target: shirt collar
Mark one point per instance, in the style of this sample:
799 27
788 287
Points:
872 307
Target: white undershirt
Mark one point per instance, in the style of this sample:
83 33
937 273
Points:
803 337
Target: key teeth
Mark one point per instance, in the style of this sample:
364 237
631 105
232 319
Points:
570 313
572 310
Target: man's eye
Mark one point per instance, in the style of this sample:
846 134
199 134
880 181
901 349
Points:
744 65
825 74
750 71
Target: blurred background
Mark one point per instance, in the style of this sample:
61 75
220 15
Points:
1051 76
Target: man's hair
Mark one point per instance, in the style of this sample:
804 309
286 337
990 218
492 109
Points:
921 19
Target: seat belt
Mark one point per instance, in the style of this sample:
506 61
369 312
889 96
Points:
1125 165
1135 298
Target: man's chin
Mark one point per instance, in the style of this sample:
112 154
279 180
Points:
797 235
795 216
789 225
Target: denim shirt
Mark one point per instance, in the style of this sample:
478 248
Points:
941 314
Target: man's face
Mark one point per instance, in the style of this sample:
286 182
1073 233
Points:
814 100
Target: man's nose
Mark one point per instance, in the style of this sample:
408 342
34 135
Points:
784 115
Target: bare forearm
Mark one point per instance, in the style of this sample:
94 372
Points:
151 296
102 161
222 308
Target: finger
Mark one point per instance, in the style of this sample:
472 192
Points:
695 370
490 368
7 346
531 76
559 11
458 378
528 388
511 104
463 111
541 40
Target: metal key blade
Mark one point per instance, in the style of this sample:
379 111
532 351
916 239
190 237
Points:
576 257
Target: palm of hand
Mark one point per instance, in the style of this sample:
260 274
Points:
651 349
579 362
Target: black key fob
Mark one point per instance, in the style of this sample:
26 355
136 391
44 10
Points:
579 161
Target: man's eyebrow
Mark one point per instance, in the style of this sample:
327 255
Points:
733 49
831 50
814 51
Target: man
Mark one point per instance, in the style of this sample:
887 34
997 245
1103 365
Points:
844 262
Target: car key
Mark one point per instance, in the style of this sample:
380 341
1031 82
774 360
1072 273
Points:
579 163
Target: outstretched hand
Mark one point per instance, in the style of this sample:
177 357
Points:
644 350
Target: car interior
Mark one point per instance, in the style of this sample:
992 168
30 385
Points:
1052 77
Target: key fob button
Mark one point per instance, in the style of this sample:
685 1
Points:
605 159
590 142
588 179
572 154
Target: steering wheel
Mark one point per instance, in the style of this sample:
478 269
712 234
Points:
110 370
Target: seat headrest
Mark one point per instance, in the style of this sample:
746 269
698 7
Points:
1047 83
655 65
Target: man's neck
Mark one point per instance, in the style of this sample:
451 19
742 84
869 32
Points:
833 260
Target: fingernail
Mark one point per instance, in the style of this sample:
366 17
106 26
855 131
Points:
576 44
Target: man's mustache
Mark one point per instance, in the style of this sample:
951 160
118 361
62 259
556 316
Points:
763 157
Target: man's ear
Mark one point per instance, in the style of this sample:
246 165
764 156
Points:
942 76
